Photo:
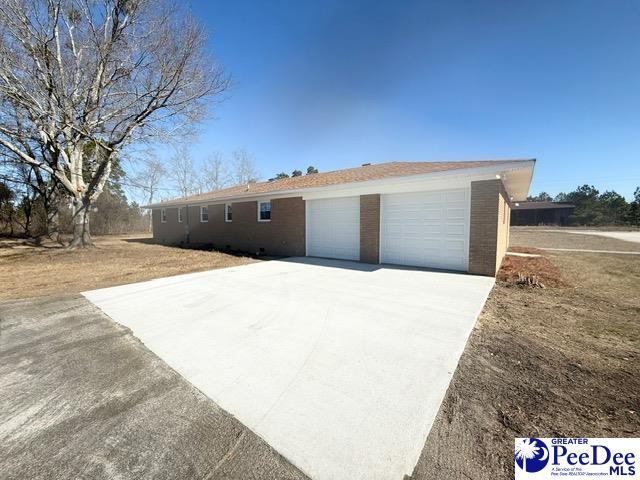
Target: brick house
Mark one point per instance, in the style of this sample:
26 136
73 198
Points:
447 215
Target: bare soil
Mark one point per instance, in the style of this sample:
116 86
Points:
29 270
540 268
559 361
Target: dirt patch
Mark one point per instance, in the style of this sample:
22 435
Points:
543 362
28 270
540 268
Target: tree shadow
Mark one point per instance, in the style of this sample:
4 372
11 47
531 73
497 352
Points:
10 243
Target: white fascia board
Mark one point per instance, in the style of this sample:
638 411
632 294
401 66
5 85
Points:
446 180
458 178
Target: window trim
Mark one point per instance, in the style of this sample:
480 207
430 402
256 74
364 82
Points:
260 202
180 215
227 207
202 209
163 215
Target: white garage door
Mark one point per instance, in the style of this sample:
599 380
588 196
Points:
425 229
333 228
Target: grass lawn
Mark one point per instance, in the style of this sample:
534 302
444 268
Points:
558 361
29 271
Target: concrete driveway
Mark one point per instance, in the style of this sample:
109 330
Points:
627 236
339 366
81 398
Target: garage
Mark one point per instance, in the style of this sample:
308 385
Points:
425 229
333 228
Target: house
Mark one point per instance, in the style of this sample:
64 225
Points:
541 213
446 215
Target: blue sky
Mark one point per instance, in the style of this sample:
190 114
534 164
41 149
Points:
338 83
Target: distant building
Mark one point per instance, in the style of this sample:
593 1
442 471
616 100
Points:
541 213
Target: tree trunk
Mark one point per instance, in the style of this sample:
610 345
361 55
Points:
53 225
81 235
51 207
27 218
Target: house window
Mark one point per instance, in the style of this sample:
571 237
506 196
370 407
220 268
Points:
179 214
264 211
163 215
228 216
204 214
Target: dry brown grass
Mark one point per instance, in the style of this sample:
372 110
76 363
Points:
554 362
28 270
534 251
558 238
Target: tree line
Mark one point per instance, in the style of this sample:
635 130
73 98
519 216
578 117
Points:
595 208
25 213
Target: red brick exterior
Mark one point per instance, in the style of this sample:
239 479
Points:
370 228
489 227
170 232
283 235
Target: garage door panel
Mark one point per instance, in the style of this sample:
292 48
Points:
453 213
455 229
427 229
333 228
456 196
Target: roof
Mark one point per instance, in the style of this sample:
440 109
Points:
363 173
541 205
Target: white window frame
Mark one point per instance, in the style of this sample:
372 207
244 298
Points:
202 209
227 207
163 215
260 202
179 214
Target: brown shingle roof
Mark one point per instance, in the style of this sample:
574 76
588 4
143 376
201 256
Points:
348 175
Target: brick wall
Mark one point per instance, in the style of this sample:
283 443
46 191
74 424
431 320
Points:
170 232
370 228
283 235
489 227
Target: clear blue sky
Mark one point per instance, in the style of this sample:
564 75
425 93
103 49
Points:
337 83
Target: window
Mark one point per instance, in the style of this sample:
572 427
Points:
179 214
163 215
204 214
264 211
227 212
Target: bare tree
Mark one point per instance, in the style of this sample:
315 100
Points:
101 72
148 180
244 167
216 172
182 172
149 177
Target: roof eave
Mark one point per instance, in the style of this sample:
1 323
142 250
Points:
505 170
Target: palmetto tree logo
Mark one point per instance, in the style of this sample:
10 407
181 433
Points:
531 454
